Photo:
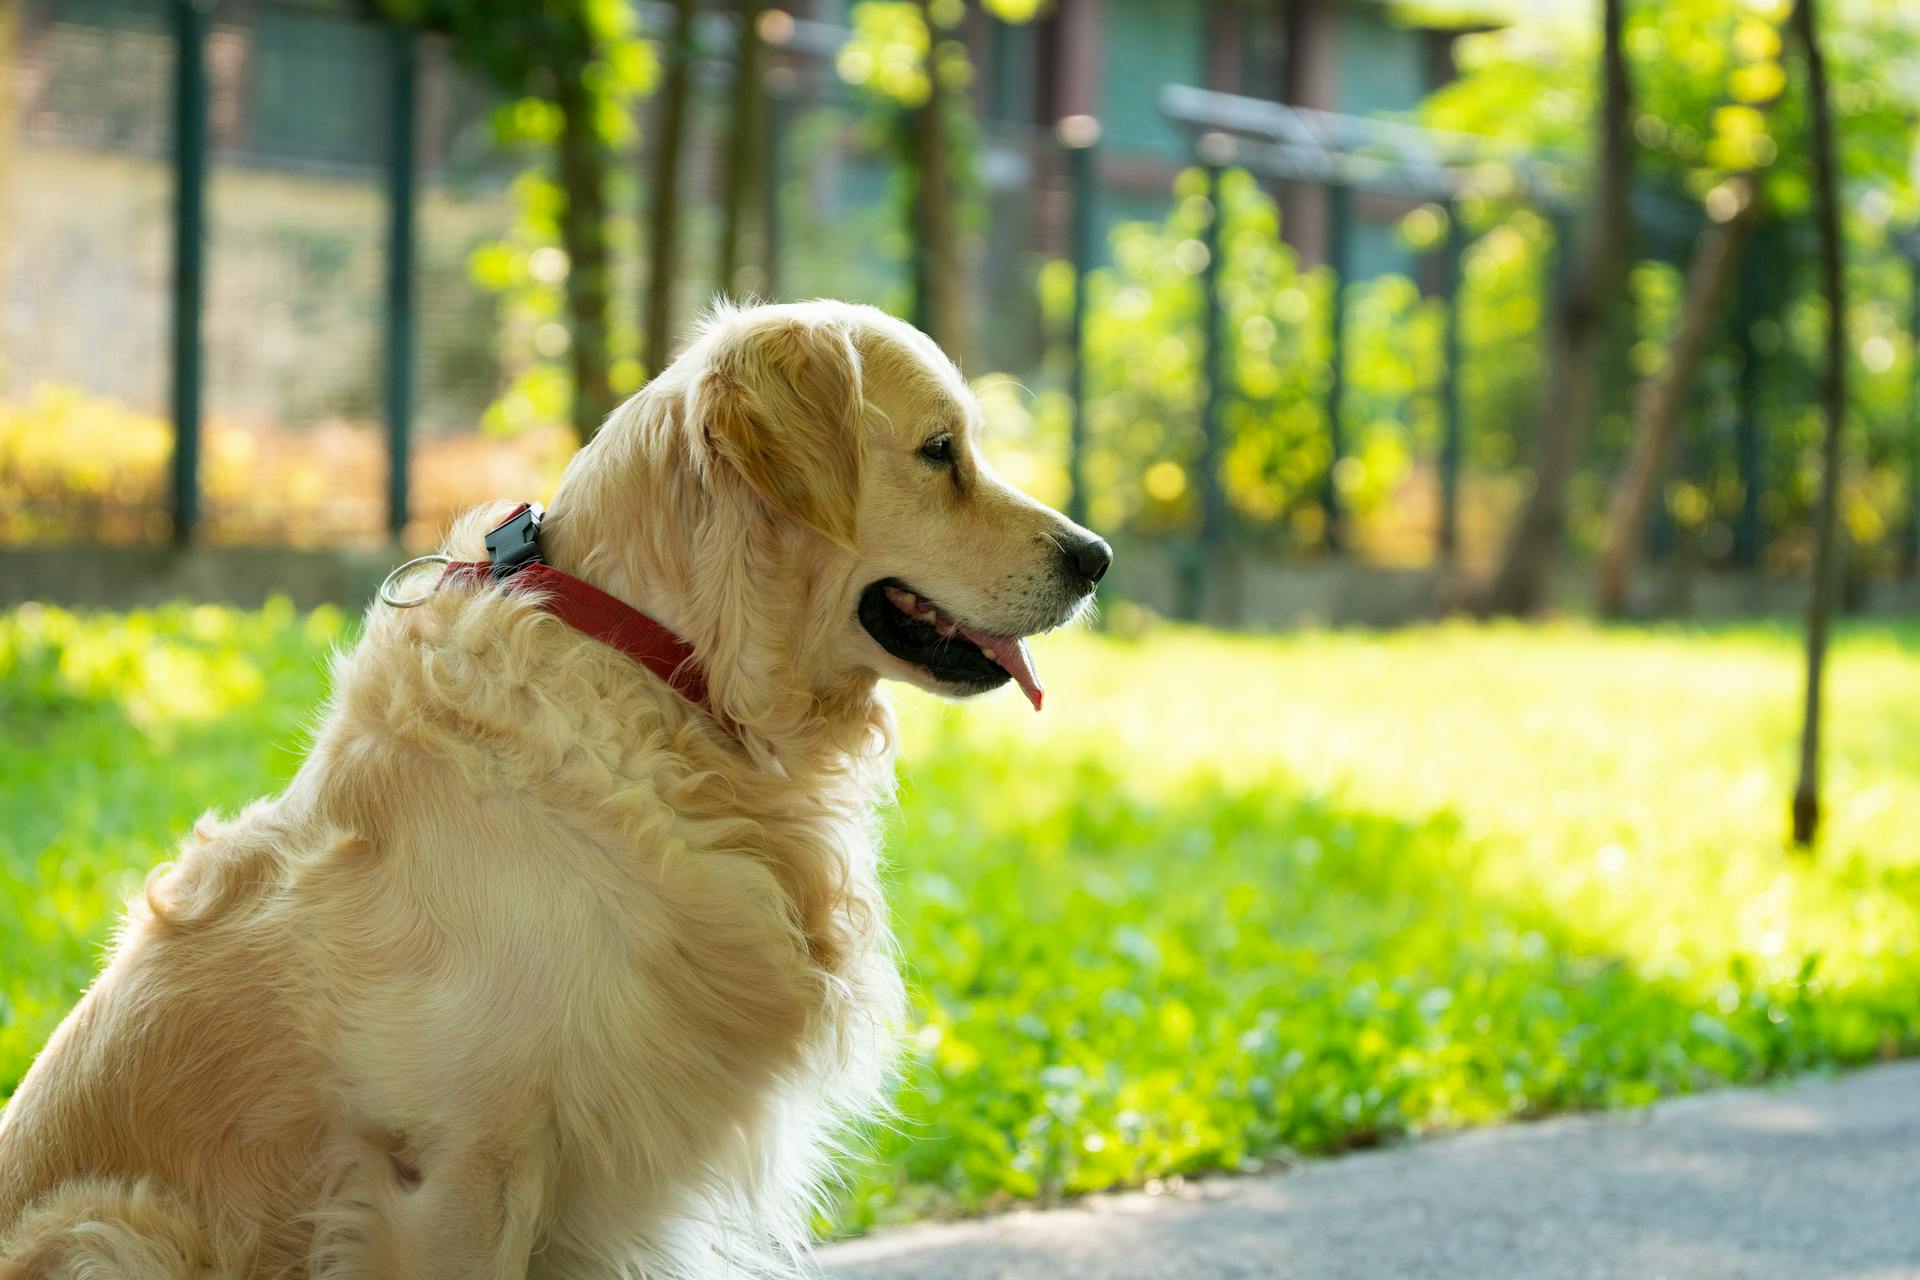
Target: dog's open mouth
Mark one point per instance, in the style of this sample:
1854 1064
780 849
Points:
917 631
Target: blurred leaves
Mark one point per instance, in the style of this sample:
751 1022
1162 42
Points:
79 467
1704 71
540 54
886 54
1717 103
1145 357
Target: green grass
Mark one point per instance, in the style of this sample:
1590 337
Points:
1228 898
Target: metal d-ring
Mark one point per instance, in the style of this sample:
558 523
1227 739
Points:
387 597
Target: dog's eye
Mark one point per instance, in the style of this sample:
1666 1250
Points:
938 451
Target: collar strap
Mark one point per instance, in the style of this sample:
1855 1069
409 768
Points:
514 561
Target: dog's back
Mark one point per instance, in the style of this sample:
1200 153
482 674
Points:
181 1080
516 968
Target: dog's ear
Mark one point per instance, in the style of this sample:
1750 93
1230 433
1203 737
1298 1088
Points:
780 403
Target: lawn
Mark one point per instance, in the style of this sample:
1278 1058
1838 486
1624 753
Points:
1229 898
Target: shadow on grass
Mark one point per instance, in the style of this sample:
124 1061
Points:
1121 982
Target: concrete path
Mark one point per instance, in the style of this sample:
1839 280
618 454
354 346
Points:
1815 1181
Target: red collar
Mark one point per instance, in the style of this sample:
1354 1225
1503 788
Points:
513 560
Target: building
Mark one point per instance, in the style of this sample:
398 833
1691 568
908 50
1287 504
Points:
1109 59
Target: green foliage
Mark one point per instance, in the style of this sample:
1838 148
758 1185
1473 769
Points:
1016 11
1507 289
1703 499
528 47
528 269
885 55
1718 93
1145 364
855 247
1715 94
1145 360
547 57
1714 100
1229 898
895 55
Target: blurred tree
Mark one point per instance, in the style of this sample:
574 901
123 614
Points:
1581 332
573 65
1662 399
938 272
1833 407
744 137
1143 352
663 218
906 56
1734 206
897 55
1712 103
583 182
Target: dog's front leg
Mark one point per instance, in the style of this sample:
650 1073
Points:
441 1214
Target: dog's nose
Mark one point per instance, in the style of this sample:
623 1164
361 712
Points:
1091 559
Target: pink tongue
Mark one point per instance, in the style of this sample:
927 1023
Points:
1011 653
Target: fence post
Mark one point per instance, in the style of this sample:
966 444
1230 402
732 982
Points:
1560 271
400 201
189 233
780 86
1910 536
920 310
1215 150
1079 135
1747 526
1453 273
1338 214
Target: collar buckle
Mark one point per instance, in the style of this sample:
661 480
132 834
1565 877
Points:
514 543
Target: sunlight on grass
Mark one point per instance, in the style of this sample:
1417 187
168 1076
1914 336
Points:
1228 898
1625 775
1232 896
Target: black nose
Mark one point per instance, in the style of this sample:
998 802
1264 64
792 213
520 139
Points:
1091 559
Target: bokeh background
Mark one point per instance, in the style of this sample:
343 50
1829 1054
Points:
1461 422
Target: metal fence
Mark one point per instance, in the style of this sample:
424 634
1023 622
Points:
244 232
269 235
253 222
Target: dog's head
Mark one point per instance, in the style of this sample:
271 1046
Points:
835 500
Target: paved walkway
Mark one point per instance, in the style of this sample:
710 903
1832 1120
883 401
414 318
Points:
1816 1181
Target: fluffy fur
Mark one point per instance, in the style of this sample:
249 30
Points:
536 969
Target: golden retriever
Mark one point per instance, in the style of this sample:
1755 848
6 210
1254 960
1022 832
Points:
537 968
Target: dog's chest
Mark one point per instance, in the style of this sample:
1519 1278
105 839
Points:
710 996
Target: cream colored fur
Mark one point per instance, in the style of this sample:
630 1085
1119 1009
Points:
536 969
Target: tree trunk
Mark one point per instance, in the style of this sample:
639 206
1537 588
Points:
1910 534
1660 402
9 37
938 302
583 184
664 218
1833 403
743 145
1575 362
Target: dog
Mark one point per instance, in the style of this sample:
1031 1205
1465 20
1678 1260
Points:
543 965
